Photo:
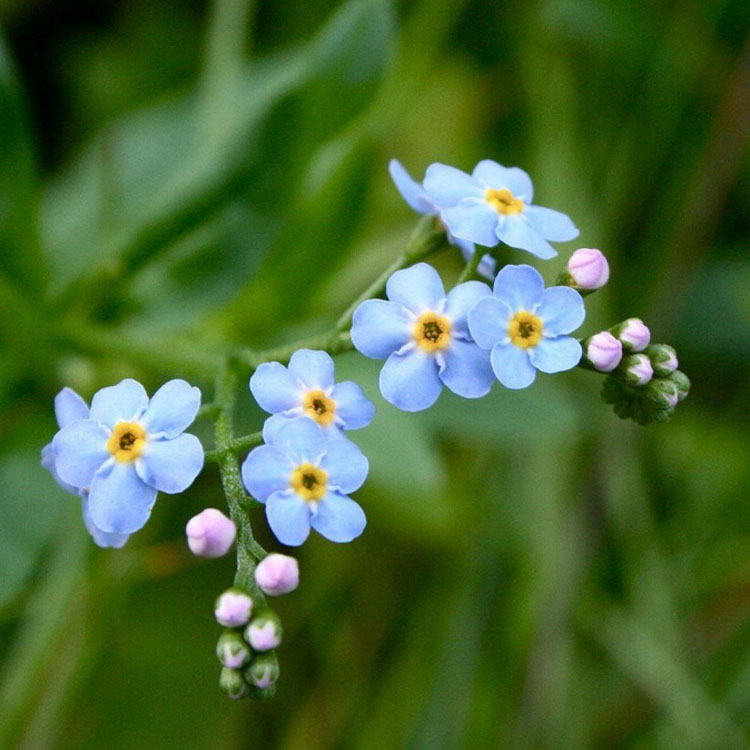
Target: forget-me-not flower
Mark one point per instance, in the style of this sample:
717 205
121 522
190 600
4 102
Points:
306 388
128 448
304 481
494 203
69 407
424 334
525 324
416 196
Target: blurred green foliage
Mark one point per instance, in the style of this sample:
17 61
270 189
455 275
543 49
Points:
186 175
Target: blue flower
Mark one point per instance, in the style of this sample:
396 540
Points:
416 196
127 448
494 203
425 336
304 481
524 326
306 388
69 407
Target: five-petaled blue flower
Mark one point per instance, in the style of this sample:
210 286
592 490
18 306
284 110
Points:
127 448
416 196
425 336
524 326
304 480
306 388
494 203
69 407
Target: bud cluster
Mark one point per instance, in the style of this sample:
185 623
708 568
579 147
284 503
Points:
246 647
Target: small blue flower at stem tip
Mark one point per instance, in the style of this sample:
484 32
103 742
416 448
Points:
129 447
304 481
416 196
524 326
306 388
69 407
424 334
494 203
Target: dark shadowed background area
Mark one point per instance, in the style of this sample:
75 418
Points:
179 176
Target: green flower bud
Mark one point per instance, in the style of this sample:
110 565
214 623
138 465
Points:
263 670
635 369
663 392
231 650
233 684
663 359
682 382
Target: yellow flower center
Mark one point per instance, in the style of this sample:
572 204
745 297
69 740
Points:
319 407
126 441
525 329
309 481
503 201
432 331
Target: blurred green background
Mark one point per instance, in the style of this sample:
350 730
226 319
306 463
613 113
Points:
179 176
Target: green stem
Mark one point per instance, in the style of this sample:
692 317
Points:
236 445
470 268
249 552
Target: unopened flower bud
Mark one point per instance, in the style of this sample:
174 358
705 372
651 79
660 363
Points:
277 574
263 671
264 632
663 359
636 369
682 382
663 392
588 268
603 351
233 684
210 533
232 651
633 333
233 608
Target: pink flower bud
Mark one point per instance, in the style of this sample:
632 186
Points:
233 609
264 632
277 574
604 351
638 369
588 268
210 533
634 334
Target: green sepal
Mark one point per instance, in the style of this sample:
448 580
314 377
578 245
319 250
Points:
636 403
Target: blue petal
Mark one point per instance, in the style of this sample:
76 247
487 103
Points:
119 501
520 287
472 220
80 449
275 422
488 322
48 462
562 310
512 367
345 465
352 406
289 517
411 191
124 402
497 177
552 225
410 381
516 231
556 355
461 299
172 408
101 538
266 470
338 518
275 388
313 368
448 185
380 327
417 288
171 465
467 370
301 440
69 407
